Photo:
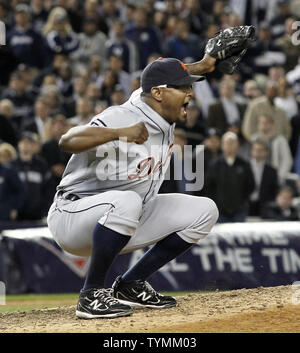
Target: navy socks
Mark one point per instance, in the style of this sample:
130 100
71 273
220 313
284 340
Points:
106 246
156 257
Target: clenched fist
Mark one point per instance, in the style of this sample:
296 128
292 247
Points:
137 133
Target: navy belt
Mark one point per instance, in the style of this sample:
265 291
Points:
71 197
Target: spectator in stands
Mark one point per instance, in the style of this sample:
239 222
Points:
93 92
110 79
277 23
84 112
74 11
135 81
29 74
118 96
143 35
51 152
54 99
286 99
7 130
265 176
7 110
212 147
27 45
64 80
60 37
183 45
280 154
115 63
80 86
170 26
119 45
91 42
265 52
7 153
195 16
17 93
290 49
39 14
265 105
217 12
282 209
110 11
52 69
92 8
230 182
225 112
160 21
34 172
11 190
251 91
48 81
95 66
37 122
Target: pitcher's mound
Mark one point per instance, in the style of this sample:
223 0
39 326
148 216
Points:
264 309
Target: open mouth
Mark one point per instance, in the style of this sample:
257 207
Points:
183 108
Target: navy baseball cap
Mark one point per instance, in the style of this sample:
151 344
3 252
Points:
167 71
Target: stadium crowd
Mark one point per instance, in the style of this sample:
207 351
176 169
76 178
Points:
66 60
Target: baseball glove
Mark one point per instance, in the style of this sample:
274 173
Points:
229 46
228 66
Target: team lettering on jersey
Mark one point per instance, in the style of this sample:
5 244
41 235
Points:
148 165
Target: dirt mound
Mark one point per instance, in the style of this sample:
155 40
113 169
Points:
246 310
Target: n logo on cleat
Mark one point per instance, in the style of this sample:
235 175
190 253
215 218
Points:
95 304
144 296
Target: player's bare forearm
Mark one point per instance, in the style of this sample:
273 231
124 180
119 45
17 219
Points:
82 138
207 64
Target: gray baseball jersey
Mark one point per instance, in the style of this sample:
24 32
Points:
119 165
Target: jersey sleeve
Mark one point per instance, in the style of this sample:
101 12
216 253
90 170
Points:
115 117
118 116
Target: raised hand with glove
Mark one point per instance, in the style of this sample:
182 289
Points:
229 46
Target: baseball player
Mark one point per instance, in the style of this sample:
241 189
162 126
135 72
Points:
105 206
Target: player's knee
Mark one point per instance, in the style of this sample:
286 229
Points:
134 204
212 211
